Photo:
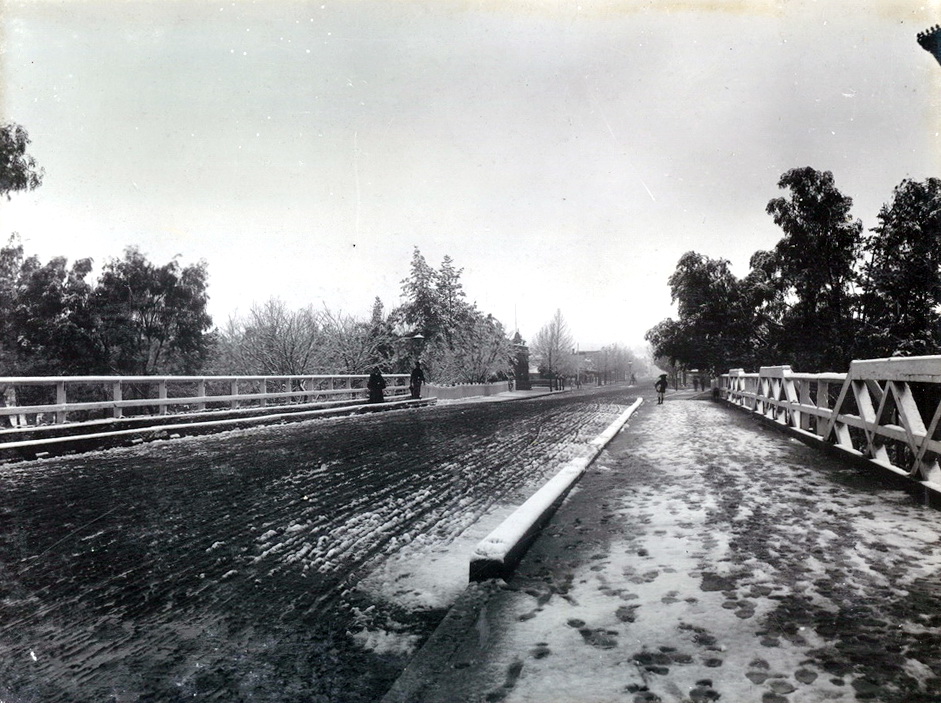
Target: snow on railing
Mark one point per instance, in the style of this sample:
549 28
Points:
43 400
884 410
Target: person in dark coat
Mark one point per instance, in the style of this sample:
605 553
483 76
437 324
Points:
376 384
661 387
417 378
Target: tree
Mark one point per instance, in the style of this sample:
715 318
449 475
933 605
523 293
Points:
422 307
46 326
52 316
716 325
815 262
453 311
152 319
276 341
902 278
352 345
18 170
552 346
480 351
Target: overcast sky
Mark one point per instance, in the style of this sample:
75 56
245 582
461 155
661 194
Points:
564 155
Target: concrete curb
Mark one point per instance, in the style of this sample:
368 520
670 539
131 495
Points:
498 554
515 534
445 642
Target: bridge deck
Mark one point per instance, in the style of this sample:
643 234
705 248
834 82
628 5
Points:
706 555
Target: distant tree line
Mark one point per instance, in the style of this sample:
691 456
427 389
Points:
457 342
826 294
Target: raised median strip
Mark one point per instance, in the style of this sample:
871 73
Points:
498 554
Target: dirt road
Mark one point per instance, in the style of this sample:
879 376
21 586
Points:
226 567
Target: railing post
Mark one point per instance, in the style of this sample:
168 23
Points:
234 390
804 399
262 389
201 393
162 395
117 395
60 400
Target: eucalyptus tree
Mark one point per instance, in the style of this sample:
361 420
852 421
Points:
18 170
152 319
815 268
902 277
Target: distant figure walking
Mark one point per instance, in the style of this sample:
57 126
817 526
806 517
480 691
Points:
376 384
661 387
417 378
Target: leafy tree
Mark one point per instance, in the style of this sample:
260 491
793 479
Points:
152 319
552 346
18 170
422 307
815 265
55 327
716 325
671 340
902 278
454 312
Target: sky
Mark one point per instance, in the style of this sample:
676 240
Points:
564 155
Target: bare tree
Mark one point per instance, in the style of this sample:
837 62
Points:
552 346
275 340
351 345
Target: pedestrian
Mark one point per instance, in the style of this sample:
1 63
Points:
417 378
661 386
376 384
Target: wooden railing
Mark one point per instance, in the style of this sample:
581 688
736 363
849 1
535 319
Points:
43 400
884 410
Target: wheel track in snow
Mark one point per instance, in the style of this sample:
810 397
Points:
249 532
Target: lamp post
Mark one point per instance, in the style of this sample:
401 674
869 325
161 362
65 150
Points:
417 345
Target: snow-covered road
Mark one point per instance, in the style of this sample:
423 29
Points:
705 557
288 563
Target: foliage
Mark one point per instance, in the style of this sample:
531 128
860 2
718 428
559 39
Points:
136 319
152 319
903 275
461 343
422 309
814 264
479 352
811 302
18 170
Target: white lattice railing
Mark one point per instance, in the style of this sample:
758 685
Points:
885 410
72 399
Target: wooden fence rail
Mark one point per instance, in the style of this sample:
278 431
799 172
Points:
885 410
42 400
